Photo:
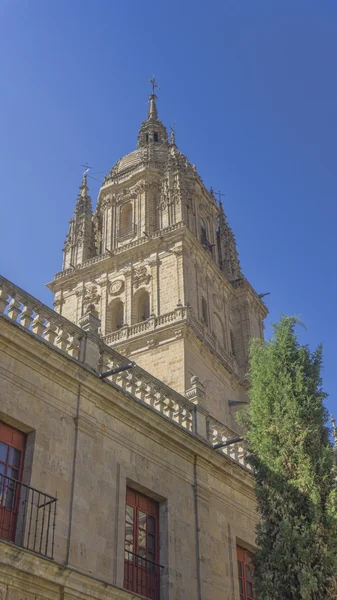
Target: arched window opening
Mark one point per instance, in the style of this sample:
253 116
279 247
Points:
142 306
155 137
126 219
117 315
204 312
203 236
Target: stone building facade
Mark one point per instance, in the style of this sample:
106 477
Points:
110 486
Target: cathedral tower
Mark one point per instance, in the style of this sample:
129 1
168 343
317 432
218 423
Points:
158 260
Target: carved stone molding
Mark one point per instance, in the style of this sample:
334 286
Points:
152 343
91 296
116 287
141 276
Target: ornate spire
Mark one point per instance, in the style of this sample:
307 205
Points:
153 113
78 245
83 204
152 130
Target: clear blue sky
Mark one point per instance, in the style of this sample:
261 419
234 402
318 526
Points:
252 88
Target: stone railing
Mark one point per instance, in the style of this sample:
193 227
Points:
217 432
38 318
151 323
181 313
84 345
80 344
148 389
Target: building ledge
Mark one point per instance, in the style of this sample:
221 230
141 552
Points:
24 570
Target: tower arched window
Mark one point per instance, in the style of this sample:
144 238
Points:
116 315
126 219
204 311
142 306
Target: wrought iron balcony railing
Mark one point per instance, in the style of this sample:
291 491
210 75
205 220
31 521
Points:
142 576
27 516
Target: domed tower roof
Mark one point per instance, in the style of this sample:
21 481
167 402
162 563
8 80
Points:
152 147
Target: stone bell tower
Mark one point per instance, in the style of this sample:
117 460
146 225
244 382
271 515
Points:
158 260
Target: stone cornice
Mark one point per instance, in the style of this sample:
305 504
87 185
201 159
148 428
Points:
63 368
22 569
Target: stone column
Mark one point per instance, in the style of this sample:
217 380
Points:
90 323
155 302
128 297
196 394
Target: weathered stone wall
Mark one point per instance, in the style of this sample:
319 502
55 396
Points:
88 441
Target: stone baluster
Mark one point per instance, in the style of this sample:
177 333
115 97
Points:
121 380
14 309
74 345
38 325
26 317
169 407
50 334
62 339
187 421
131 383
104 362
159 401
150 397
4 300
179 413
141 389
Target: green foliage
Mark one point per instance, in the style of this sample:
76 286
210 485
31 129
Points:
289 448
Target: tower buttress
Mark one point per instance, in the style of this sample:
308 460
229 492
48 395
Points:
79 242
229 258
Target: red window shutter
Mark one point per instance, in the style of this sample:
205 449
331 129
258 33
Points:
12 444
12 437
141 569
245 574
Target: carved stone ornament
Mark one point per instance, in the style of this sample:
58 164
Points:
116 287
91 296
218 303
106 201
140 276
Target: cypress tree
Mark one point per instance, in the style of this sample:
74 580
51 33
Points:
295 480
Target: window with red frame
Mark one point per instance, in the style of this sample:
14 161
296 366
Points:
246 574
141 558
12 445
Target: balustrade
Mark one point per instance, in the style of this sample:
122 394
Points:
85 345
40 320
217 432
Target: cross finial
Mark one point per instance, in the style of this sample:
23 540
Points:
154 84
86 168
